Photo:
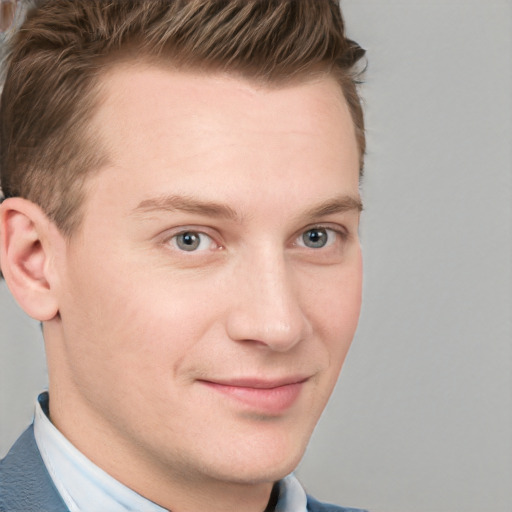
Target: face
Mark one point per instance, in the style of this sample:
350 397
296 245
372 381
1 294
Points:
210 296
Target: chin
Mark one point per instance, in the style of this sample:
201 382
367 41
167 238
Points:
250 473
260 460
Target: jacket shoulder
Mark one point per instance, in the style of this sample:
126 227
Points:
317 506
25 485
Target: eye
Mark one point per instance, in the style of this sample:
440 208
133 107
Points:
192 241
317 238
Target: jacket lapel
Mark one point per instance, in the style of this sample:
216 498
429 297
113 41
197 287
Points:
25 485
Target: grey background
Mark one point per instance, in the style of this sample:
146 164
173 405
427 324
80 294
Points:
421 420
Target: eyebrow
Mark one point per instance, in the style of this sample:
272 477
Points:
172 203
339 204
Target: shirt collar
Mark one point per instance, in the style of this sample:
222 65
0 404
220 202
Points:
85 487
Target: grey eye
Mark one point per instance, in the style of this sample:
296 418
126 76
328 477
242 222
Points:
315 238
193 241
189 241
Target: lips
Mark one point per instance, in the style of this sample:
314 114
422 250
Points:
272 397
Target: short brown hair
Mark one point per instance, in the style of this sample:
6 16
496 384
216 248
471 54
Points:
64 47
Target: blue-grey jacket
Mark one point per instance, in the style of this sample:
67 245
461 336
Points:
26 486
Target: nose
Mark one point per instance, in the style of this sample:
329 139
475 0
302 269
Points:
266 307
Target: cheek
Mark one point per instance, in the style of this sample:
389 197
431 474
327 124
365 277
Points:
132 338
131 321
336 305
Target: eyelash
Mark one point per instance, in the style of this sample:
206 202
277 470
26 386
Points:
174 240
298 241
335 231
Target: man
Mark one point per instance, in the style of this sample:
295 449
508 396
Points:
181 214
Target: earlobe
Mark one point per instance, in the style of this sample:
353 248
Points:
25 253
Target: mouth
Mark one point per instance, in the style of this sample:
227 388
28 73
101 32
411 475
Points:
270 397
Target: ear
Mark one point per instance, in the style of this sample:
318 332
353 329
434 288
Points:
25 256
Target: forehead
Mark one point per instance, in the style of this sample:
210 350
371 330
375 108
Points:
149 96
171 129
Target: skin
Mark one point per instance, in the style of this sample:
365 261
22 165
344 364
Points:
155 352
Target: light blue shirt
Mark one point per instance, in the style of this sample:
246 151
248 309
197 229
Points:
85 487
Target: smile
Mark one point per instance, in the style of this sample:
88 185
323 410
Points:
267 397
